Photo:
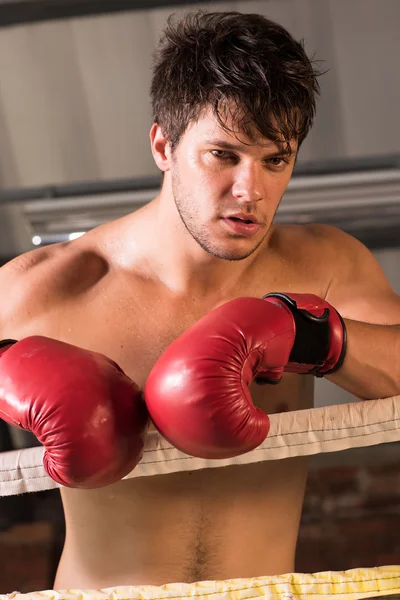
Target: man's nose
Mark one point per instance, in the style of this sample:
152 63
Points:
247 186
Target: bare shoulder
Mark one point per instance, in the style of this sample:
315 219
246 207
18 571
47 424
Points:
348 258
38 280
323 245
17 272
356 283
311 235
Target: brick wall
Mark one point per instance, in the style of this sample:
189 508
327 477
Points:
26 556
31 539
351 518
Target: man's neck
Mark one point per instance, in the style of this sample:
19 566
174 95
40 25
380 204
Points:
178 261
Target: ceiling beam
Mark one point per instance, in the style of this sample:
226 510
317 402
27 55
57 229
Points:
17 12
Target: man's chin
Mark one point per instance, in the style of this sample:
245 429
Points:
231 253
231 248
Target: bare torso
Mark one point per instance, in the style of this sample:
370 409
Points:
237 521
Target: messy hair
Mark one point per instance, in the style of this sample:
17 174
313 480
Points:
239 65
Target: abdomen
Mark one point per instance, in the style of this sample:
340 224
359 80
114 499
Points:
238 521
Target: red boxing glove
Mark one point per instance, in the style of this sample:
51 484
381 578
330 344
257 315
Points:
198 394
90 417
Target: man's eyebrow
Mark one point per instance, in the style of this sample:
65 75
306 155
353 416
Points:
224 144
283 151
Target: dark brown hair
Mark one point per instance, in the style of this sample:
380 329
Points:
226 59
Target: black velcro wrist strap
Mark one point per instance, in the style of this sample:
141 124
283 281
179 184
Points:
312 341
4 343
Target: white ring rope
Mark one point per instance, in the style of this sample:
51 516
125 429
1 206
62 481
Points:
295 433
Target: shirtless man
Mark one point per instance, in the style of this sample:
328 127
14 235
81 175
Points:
233 98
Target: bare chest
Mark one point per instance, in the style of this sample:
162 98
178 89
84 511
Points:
133 325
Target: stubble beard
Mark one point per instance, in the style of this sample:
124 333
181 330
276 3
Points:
188 214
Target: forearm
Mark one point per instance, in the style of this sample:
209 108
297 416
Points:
371 368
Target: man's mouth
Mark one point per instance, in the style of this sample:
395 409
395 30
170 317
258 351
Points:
240 220
242 226
243 218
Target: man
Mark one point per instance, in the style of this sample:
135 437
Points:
233 99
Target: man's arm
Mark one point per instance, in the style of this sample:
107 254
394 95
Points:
370 308
100 438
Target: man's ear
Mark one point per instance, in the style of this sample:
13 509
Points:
160 148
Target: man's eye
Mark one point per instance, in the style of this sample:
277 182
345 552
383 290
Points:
223 154
277 161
